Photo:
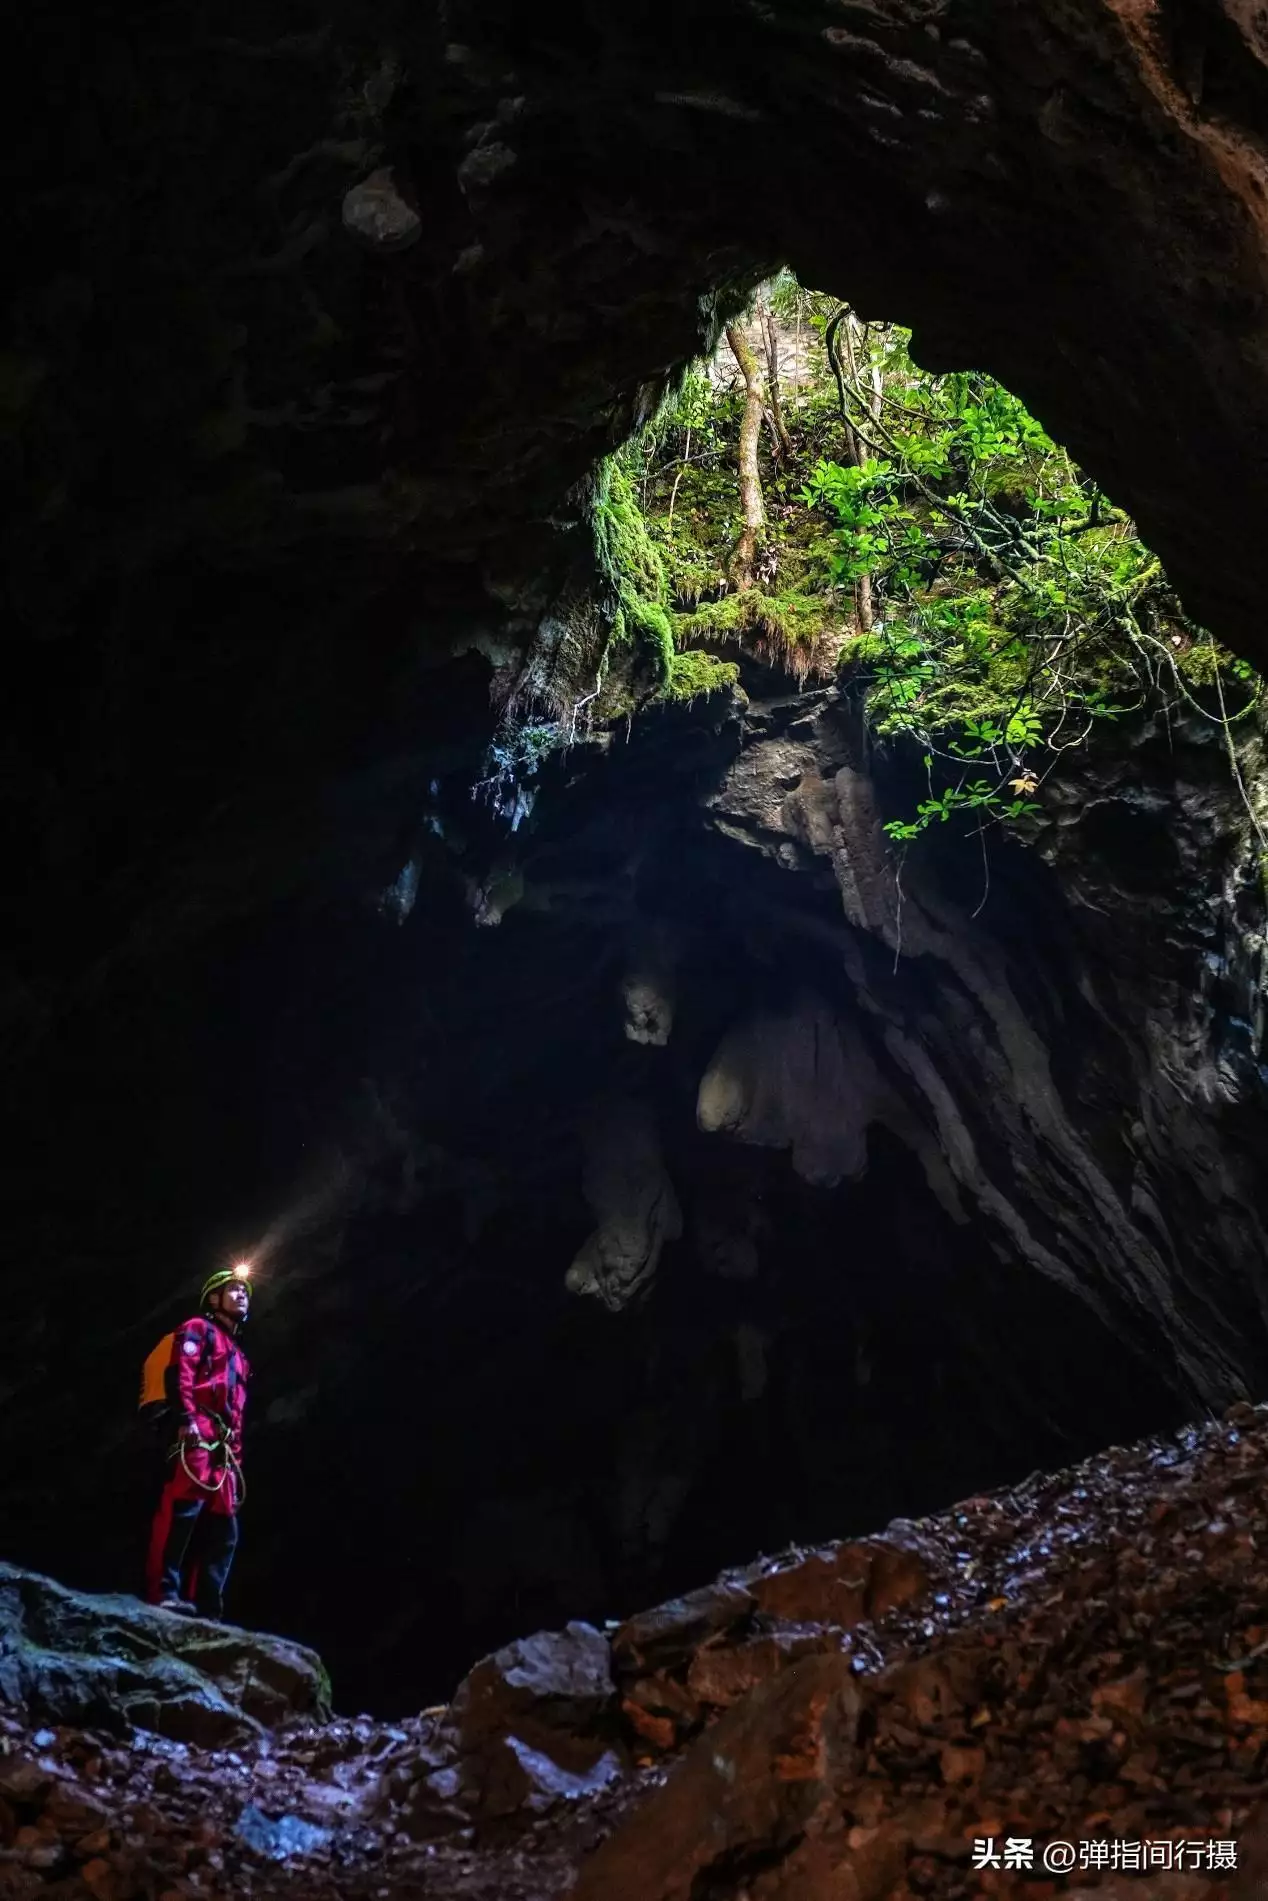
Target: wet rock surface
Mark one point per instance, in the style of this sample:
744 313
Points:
1082 1658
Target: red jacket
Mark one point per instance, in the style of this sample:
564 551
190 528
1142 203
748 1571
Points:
207 1381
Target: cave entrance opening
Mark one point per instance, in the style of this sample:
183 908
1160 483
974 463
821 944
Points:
935 1220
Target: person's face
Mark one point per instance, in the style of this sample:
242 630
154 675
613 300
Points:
235 1300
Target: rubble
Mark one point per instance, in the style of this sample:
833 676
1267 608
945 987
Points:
1082 1660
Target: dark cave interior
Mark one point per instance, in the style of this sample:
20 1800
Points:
286 514
447 1447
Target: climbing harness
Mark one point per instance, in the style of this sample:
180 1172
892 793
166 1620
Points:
159 1401
210 1446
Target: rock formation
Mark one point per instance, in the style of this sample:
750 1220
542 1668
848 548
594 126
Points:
923 1182
318 333
631 1194
112 1663
1074 1665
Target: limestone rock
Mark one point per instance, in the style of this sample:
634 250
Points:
529 1723
799 1079
377 216
561 1680
744 1795
839 1584
629 1190
647 987
707 1650
115 1663
672 1632
722 1673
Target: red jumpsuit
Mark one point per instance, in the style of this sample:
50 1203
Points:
206 1385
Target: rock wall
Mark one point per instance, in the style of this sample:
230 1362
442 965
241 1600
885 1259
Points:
320 322
972 1069
918 1186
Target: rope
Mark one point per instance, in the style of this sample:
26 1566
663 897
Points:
215 1485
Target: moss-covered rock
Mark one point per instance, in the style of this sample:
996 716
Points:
693 674
116 1663
802 632
631 564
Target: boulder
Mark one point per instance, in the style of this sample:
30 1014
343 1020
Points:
671 1633
112 1662
514 1776
558 1680
721 1673
662 1710
704 1651
377 216
743 1798
530 1724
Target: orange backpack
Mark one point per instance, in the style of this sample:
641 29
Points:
154 1374
155 1390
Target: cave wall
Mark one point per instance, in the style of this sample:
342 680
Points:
320 319
698 1203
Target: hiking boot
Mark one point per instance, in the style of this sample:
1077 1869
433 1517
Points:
178 1605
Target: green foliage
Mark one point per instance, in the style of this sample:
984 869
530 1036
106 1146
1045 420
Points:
1011 611
685 463
632 565
1014 608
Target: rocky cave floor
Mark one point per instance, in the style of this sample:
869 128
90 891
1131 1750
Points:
1083 1658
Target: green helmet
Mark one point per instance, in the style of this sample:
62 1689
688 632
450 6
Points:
224 1277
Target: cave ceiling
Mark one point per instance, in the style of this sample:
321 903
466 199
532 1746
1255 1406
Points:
323 314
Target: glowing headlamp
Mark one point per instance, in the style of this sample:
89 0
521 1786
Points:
242 1272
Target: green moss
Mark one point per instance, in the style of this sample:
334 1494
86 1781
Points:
693 674
803 631
945 688
694 574
632 565
1015 609
1203 661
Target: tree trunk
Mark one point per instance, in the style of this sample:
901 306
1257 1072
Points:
752 507
771 340
863 605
